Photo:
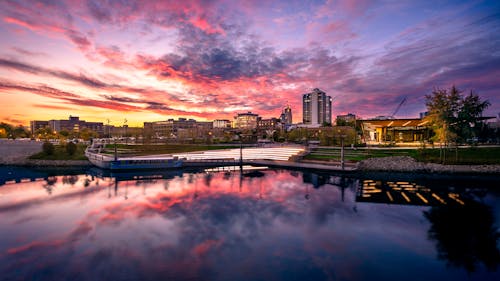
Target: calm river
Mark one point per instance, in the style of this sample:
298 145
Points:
268 224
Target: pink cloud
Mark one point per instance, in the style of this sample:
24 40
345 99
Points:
35 245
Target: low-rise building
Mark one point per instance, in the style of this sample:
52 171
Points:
221 123
178 129
269 124
247 120
73 124
348 119
394 130
36 125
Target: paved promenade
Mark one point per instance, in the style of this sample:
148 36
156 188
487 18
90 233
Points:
301 165
16 151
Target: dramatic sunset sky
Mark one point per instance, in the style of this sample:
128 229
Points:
154 60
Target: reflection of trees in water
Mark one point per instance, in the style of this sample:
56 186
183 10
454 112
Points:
49 186
465 235
207 179
70 179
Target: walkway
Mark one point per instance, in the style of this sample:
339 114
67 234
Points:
301 165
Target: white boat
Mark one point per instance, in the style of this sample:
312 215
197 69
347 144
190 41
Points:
106 161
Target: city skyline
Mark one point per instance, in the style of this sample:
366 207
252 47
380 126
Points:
151 61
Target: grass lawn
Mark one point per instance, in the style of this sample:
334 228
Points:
462 156
61 154
124 149
473 155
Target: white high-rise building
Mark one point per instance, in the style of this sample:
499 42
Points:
317 108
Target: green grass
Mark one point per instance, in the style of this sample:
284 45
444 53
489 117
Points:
124 149
477 156
61 154
465 156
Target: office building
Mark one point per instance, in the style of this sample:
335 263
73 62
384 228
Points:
286 116
348 119
317 108
73 124
178 129
36 124
269 124
221 123
247 120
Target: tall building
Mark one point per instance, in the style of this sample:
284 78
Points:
317 108
286 116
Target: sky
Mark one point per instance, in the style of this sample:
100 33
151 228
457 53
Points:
154 60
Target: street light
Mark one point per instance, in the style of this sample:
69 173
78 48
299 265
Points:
342 136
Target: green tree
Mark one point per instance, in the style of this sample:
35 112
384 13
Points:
48 148
71 148
443 106
20 132
5 130
453 116
44 133
87 133
64 134
9 131
469 116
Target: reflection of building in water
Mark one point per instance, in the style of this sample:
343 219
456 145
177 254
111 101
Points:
316 180
406 193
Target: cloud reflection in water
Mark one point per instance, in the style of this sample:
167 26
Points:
209 227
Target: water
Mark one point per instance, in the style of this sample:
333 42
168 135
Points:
259 225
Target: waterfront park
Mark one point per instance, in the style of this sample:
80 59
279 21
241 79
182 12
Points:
274 207
343 140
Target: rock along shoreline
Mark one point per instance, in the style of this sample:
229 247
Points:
46 163
406 164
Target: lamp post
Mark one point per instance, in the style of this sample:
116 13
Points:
241 151
342 136
209 139
109 129
125 127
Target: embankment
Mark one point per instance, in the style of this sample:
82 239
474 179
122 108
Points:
407 164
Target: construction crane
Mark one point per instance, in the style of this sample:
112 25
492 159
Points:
397 108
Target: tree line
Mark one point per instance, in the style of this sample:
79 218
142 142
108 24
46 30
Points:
455 118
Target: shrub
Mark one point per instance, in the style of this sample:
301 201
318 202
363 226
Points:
71 148
48 148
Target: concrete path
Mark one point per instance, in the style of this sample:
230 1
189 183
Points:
300 165
16 151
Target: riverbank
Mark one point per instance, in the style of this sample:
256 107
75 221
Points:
18 152
405 164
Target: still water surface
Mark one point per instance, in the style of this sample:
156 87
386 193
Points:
256 225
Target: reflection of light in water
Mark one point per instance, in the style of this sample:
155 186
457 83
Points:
454 196
404 192
235 168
